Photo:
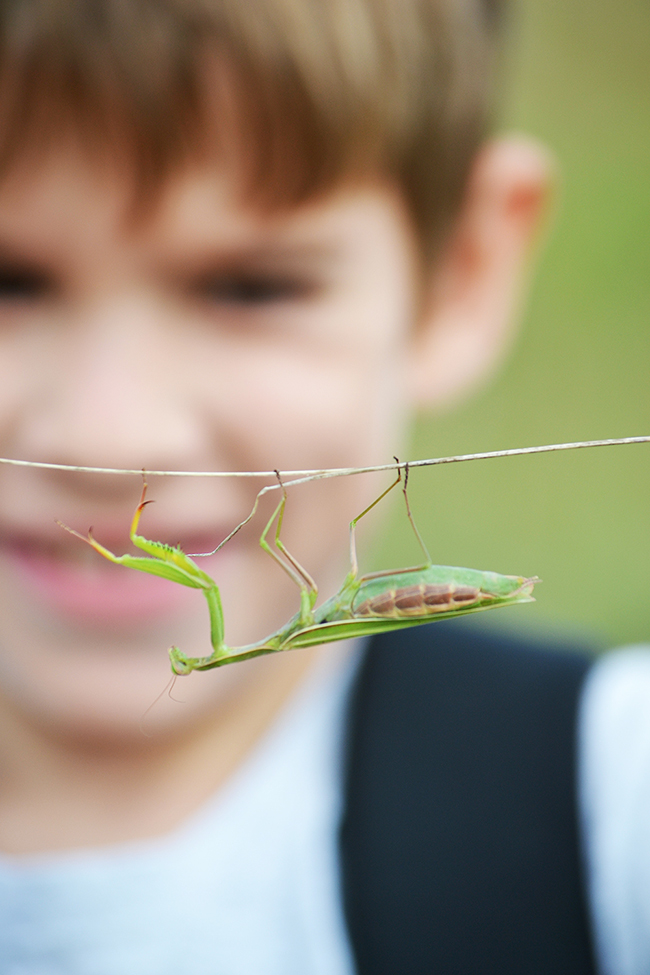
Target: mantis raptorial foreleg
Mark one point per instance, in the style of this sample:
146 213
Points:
168 562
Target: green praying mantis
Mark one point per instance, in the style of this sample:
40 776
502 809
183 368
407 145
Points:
363 606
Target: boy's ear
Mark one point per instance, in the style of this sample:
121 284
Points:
468 314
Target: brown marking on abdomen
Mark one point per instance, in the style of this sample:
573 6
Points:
419 600
465 594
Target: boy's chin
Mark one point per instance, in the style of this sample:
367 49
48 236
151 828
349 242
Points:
114 696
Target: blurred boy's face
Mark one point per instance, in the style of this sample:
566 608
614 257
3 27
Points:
203 336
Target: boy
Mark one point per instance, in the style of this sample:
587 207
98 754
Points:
246 237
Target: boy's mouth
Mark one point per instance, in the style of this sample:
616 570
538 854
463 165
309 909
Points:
78 583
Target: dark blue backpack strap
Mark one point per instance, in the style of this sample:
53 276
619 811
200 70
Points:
459 844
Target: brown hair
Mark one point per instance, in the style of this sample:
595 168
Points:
319 89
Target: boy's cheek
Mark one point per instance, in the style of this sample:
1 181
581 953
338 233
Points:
296 407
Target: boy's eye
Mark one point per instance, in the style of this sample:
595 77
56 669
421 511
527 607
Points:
19 284
256 289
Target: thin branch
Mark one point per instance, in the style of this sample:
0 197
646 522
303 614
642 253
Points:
302 477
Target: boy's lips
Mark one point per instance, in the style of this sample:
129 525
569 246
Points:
79 584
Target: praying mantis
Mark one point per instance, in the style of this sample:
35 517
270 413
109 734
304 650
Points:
363 606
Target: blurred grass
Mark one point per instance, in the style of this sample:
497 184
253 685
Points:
578 77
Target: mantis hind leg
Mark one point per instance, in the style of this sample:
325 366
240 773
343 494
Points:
354 565
411 519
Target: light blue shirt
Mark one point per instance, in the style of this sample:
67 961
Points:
615 801
248 886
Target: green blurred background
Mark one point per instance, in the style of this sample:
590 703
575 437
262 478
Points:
578 77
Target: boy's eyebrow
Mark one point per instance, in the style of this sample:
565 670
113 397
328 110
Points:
263 255
208 253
